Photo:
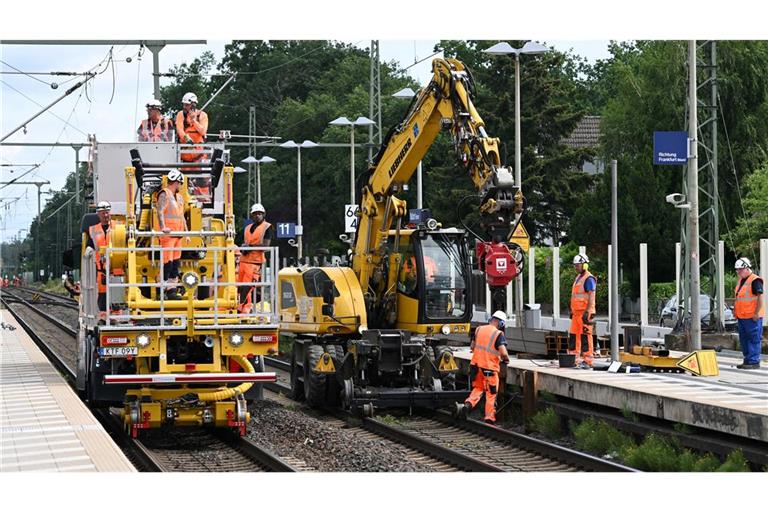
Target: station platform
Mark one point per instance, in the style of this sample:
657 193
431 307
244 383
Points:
734 402
44 426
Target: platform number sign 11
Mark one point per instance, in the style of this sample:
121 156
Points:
286 230
350 217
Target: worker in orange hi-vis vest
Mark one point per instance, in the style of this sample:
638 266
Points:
256 234
582 313
749 311
489 349
98 238
156 127
170 217
191 127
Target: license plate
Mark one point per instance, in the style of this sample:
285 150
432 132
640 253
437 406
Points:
119 351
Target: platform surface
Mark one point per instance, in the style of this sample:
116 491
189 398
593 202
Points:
44 426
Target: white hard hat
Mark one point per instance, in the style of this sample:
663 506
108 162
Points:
580 258
190 97
103 206
153 103
742 263
175 175
500 315
257 207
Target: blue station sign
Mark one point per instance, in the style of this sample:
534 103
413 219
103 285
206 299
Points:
670 148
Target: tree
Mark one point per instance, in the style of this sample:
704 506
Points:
744 240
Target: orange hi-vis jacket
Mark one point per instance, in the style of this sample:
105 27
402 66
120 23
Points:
579 296
254 238
174 211
160 132
747 303
184 127
99 237
485 354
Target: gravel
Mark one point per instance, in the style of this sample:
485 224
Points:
324 445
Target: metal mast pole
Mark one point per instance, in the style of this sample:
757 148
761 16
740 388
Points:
374 96
519 182
614 291
693 189
251 150
298 209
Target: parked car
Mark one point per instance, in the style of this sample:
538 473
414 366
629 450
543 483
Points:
668 315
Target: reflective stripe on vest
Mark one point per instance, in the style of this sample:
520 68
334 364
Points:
174 211
747 303
160 132
485 354
580 296
252 239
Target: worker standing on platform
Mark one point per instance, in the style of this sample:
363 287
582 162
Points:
582 312
256 234
191 127
749 311
170 217
156 127
489 349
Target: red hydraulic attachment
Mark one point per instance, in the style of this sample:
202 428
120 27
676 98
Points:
497 263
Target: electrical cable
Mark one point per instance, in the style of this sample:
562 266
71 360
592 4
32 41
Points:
24 73
39 105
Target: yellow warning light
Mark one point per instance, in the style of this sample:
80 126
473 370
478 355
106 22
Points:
700 362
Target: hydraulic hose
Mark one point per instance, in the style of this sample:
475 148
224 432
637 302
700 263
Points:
227 393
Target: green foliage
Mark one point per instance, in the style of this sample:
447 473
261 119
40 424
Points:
706 463
546 395
596 436
654 454
744 239
628 413
547 423
735 462
389 419
683 428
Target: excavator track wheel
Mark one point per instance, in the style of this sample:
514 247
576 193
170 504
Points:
314 383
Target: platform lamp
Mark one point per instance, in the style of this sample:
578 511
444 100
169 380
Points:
299 227
407 93
360 121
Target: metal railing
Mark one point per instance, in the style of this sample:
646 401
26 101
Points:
263 293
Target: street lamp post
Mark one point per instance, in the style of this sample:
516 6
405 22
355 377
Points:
529 48
299 226
408 93
360 121
258 161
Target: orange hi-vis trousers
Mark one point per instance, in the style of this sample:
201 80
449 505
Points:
580 339
485 382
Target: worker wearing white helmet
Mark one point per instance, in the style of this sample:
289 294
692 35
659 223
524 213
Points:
258 233
749 310
156 127
489 349
580 341
170 217
191 127
98 240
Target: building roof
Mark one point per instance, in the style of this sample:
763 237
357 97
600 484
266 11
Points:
586 134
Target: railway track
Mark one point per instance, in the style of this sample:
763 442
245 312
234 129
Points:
54 297
468 445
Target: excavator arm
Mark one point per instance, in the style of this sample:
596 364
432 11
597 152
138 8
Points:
444 104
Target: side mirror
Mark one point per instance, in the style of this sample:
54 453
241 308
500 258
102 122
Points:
327 308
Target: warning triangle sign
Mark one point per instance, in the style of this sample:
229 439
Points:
690 362
520 237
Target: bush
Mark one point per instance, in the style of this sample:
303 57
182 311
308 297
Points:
654 454
547 423
735 462
596 436
707 463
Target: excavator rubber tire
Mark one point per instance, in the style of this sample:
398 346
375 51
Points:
333 386
314 383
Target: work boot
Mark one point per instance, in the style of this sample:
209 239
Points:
490 421
748 366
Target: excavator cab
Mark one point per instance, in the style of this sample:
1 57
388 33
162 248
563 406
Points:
433 282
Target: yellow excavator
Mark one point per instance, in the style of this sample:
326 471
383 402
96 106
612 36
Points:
376 334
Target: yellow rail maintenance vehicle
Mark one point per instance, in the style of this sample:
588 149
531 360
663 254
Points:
376 334
188 360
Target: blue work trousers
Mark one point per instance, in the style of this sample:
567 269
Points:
750 334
